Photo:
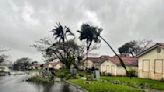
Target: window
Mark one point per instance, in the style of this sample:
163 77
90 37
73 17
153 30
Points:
158 66
146 65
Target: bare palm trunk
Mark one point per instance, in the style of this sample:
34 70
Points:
121 61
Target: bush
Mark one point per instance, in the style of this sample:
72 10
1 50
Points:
132 73
81 73
102 73
65 73
162 80
39 79
62 73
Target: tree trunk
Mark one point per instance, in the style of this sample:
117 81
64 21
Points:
121 61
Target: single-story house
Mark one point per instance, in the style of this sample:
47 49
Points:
151 62
113 66
55 65
93 62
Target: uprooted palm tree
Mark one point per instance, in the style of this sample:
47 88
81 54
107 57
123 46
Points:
92 34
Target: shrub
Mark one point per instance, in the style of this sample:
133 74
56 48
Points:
65 74
132 73
82 73
102 73
62 73
162 79
109 74
39 79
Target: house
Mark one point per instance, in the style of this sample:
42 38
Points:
113 66
151 62
54 65
93 62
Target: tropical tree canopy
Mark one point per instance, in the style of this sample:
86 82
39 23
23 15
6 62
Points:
61 32
90 34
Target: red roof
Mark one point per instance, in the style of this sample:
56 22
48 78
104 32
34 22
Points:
52 63
98 59
128 61
55 63
36 65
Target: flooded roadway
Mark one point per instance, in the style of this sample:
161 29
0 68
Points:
16 83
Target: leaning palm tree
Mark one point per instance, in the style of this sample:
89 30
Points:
87 34
92 34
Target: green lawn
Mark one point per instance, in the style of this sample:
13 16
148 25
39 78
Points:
118 84
137 82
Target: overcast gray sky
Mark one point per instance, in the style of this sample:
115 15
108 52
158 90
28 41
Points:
24 21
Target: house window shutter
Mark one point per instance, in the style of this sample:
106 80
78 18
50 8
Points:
158 66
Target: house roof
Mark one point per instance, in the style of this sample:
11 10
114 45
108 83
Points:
151 48
98 59
128 61
36 65
54 63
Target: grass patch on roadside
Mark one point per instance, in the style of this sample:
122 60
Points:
100 86
136 82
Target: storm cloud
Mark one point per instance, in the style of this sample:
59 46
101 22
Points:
24 21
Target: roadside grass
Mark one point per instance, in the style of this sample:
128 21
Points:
100 86
118 84
136 82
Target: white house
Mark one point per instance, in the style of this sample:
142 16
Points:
112 65
55 65
151 62
94 62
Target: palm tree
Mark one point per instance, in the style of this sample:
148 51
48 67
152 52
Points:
90 34
87 34
60 33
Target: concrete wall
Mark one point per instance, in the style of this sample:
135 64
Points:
151 65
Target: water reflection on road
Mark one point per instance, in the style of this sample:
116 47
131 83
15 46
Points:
15 83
